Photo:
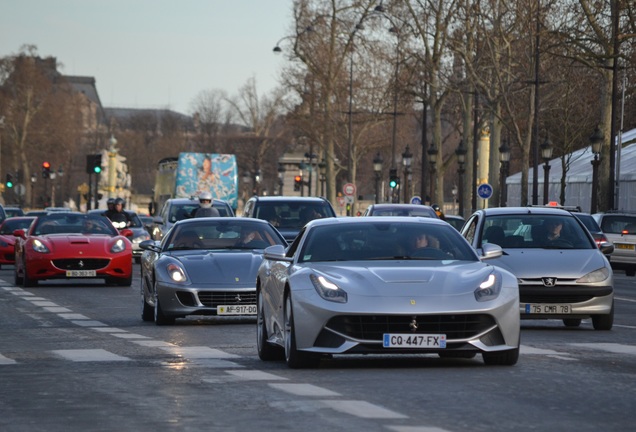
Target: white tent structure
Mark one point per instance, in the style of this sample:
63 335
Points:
578 178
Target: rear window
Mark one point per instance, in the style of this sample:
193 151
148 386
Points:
616 224
292 215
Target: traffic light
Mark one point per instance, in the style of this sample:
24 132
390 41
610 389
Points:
298 182
46 170
394 180
94 164
9 182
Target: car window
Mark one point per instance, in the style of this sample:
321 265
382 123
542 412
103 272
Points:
222 235
616 224
535 231
588 221
385 241
12 224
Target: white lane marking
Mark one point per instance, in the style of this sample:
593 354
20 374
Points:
528 350
416 429
73 316
57 309
35 298
362 409
89 323
255 375
43 303
153 343
626 299
89 355
198 352
109 330
6 361
625 326
304 390
130 336
211 363
609 347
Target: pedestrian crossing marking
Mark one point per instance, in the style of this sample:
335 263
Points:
609 347
6 361
198 352
89 355
362 409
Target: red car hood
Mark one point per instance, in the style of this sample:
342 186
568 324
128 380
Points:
81 244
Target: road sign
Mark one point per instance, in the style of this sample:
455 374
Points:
416 200
349 199
349 189
484 191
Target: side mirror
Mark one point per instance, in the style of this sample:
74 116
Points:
150 245
20 233
276 253
126 232
490 251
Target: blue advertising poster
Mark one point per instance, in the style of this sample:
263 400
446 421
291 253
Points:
200 172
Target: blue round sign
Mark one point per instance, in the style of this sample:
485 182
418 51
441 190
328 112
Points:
484 191
416 200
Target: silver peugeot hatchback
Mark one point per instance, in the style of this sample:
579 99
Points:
561 271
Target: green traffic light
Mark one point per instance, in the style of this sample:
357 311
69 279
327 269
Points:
97 169
392 184
9 184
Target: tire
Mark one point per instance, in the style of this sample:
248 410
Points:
147 311
295 359
604 322
501 358
572 322
160 318
266 351
27 282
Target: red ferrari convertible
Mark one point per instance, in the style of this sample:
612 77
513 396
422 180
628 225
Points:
72 246
7 240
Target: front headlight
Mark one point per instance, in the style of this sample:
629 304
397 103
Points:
596 276
489 289
176 273
141 238
119 246
328 290
38 246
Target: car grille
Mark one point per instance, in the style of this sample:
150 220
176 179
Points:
81 264
213 299
372 327
537 293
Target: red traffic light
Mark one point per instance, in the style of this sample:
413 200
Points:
46 165
298 179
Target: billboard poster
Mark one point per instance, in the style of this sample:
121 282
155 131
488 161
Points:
213 172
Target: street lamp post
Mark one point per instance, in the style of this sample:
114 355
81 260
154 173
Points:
432 158
377 169
407 158
281 178
322 168
546 154
596 139
504 158
461 159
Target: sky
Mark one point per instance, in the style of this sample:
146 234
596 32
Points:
153 53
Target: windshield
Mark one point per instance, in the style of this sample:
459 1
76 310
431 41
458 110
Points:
222 235
73 223
10 225
538 231
385 241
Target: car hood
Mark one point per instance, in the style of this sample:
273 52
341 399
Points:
229 268
79 243
534 263
404 279
8 239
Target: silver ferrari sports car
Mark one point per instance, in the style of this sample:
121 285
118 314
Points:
204 266
400 285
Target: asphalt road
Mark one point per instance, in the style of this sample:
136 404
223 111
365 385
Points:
77 356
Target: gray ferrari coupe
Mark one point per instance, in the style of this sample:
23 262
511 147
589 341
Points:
204 266
391 285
